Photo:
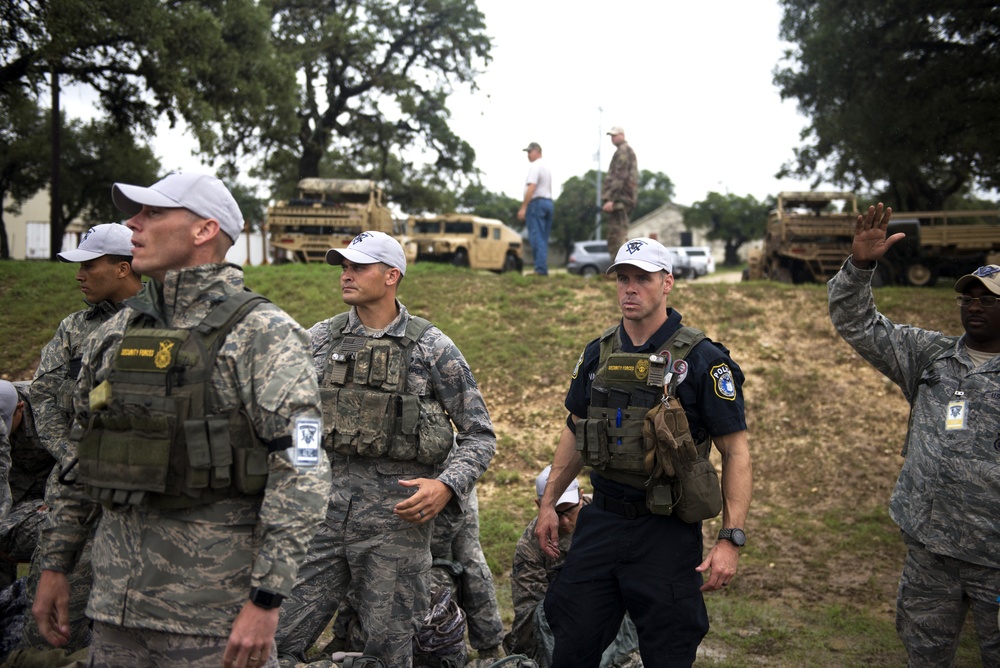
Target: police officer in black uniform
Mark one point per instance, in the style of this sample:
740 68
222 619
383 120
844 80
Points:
636 547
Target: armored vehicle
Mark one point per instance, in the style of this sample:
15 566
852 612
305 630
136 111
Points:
325 214
466 241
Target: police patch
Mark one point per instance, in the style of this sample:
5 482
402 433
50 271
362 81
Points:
576 369
725 387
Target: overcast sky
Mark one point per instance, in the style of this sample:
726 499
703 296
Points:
691 83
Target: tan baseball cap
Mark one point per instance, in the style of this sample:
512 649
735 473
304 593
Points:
989 276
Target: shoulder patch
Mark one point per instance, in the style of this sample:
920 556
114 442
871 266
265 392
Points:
576 369
722 377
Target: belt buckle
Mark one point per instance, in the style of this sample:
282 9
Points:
630 510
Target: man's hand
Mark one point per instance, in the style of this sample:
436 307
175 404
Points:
870 242
547 530
522 213
51 607
251 638
721 560
430 499
608 207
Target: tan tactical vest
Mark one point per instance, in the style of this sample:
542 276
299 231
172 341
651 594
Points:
151 439
365 405
625 387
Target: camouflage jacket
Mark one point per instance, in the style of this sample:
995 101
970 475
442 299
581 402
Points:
530 576
189 571
31 463
621 185
5 498
365 490
55 380
947 495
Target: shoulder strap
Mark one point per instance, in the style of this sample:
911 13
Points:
224 317
683 342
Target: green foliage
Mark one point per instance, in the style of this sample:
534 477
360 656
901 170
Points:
901 97
375 77
576 209
480 201
730 218
655 190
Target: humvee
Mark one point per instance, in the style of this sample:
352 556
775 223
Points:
465 240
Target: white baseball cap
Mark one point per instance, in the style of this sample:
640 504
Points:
8 402
616 130
106 239
571 495
645 253
201 194
369 248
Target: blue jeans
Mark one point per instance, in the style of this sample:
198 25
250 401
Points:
538 218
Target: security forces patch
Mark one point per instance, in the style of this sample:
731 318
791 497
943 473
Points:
725 387
576 369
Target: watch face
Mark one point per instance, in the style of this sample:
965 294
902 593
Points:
739 538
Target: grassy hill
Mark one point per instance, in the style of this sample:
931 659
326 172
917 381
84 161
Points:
817 581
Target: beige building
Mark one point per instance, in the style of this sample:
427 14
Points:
28 231
666 225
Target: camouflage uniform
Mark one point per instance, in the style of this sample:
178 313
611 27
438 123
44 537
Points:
52 403
55 379
621 186
150 563
30 465
5 497
363 544
947 496
456 538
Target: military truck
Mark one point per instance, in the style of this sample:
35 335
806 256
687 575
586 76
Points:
466 241
806 241
325 214
806 237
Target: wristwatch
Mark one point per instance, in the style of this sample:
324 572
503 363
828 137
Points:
734 536
263 598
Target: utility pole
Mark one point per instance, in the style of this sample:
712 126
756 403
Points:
597 216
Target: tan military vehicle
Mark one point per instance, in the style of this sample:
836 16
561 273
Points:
325 214
466 241
808 239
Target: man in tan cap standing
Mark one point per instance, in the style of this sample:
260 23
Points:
947 497
620 191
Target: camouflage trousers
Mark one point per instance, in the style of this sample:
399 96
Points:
387 574
19 532
616 229
118 647
456 538
935 595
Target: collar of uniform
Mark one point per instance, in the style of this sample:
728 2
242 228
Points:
396 328
656 341
104 310
187 295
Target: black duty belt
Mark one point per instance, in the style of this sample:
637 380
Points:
628 509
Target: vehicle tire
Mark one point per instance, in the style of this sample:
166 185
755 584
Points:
920 275
510 263
883 276
460 258
588 271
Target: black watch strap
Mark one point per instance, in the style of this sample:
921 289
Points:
263 598
734 536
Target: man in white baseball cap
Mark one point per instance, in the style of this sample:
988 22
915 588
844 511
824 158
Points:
645 253
107 239
393 385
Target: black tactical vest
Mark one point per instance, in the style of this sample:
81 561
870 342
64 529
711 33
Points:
365 405
625 387
152 438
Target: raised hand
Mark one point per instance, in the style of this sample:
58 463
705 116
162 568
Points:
870 242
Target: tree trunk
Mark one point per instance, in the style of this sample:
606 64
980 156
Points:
55 204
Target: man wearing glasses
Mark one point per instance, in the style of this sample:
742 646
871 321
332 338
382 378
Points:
947 497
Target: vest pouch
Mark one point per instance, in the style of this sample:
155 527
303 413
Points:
345 420
434 434
210 455
126 452
592 441
660 499
250 457
376 419
697 493
404 438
